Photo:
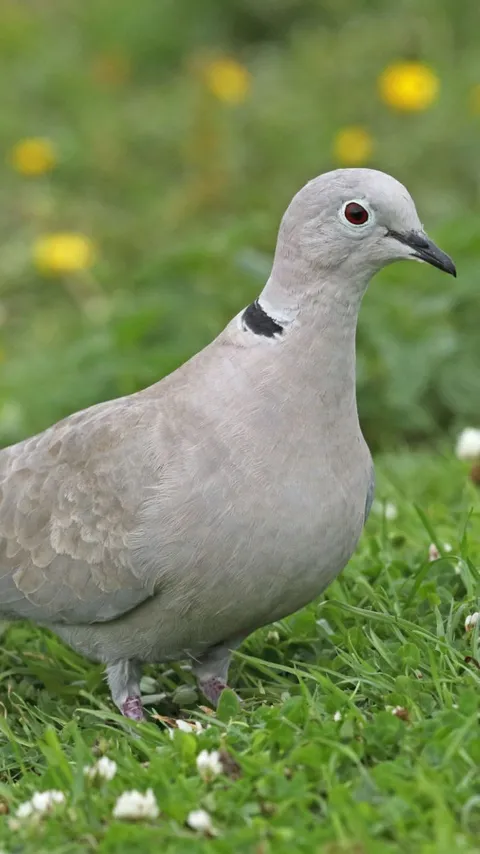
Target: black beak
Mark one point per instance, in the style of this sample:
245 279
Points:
425 250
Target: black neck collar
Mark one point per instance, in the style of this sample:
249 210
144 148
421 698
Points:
256 320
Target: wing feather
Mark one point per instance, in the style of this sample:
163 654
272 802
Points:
69 499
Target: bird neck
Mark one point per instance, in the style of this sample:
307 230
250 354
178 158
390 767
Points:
316 341
298 288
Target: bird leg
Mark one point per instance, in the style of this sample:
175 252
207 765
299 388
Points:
211 688
124 682
211 669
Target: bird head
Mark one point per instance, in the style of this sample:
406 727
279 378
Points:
354 222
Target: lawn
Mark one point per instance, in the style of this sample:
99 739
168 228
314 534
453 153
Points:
167 140
359 727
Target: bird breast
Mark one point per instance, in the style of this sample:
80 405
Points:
236 547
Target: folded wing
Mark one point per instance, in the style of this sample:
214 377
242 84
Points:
69 499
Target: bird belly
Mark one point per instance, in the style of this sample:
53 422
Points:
278 568
229 576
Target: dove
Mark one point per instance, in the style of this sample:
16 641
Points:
172 523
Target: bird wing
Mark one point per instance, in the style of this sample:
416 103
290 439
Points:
69 498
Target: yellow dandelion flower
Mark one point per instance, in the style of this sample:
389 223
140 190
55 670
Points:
33 156
227 80
475 99
352 146
63 253
408 86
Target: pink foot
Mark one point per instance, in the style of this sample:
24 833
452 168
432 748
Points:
211 688
132 708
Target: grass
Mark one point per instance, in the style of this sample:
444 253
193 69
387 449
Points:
389 633
181 194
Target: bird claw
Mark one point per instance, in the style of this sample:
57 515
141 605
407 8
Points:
132 708
212 688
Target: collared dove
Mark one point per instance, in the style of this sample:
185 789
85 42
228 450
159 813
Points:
172 523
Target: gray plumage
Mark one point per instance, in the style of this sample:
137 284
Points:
173 522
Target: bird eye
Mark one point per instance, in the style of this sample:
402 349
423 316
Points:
355 213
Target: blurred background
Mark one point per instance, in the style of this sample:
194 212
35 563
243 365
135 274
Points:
149 150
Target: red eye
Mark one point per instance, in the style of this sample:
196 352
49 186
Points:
355 213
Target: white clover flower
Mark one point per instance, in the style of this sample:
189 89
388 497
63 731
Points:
186 726
25 810
41 802
471 621
44 801
391 511
209 764
134 805
337 716
468 444
201 821
104 769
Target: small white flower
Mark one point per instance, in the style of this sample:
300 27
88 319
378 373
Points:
104 769
390 511
25 810
471 621
200 820
134 805
273 636
44 801
337 716
209 764
186 726
447 547
41 802
468 444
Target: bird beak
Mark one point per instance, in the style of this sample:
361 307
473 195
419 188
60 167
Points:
425 250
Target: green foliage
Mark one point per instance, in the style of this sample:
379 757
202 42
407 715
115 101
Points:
314 759
419 347
182 193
